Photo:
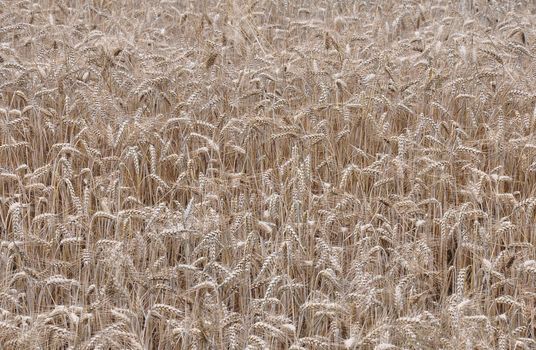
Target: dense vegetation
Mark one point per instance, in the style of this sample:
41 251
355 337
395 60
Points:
267 174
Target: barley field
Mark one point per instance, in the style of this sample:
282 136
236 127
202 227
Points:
271 174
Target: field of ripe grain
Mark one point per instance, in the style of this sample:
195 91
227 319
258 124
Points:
271 174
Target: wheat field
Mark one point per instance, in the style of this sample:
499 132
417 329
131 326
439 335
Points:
269 174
